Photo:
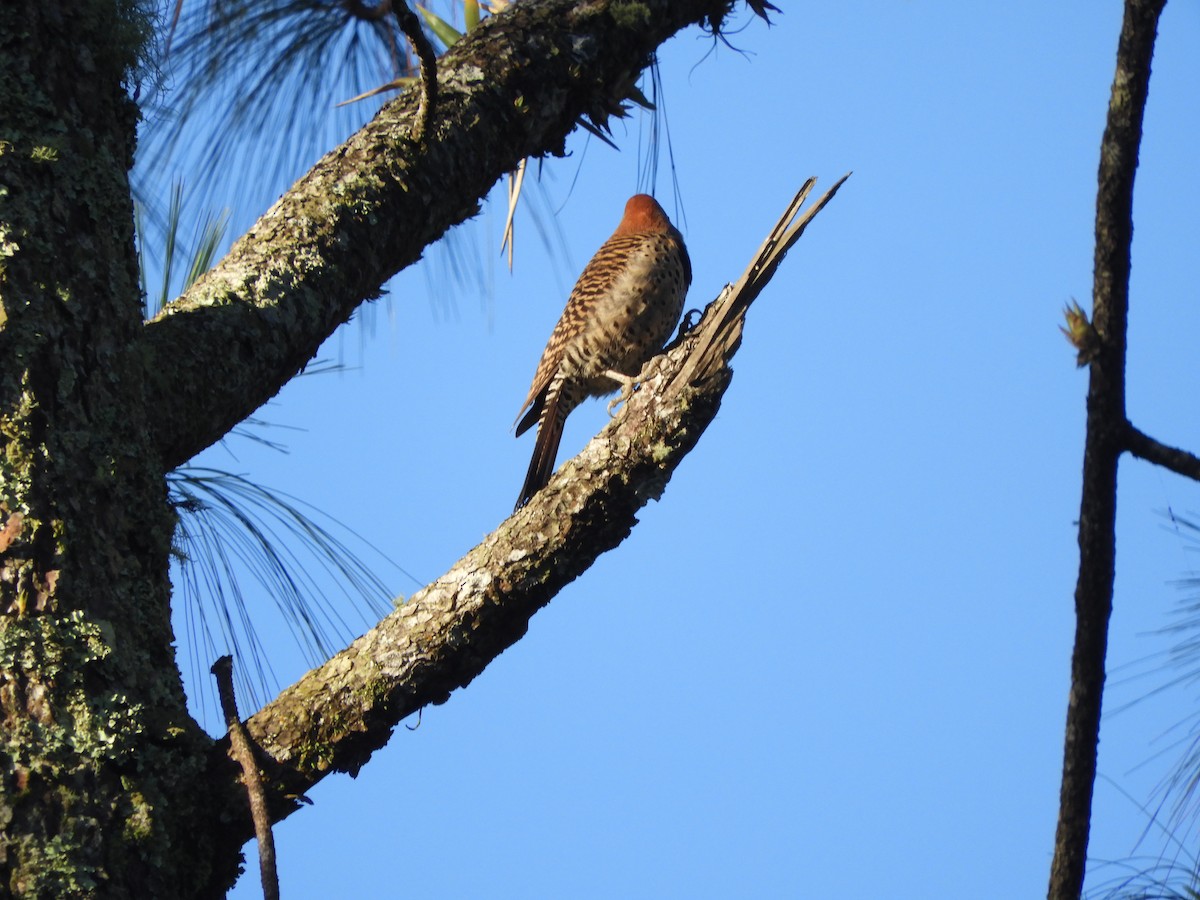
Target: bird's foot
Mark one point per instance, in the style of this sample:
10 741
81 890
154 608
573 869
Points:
627 387
687 323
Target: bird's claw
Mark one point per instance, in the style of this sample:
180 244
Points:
687 323
627 386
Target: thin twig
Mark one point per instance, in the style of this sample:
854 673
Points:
243 754
411 27
1178 461
407 20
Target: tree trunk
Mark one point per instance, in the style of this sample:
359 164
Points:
1109 434
96 736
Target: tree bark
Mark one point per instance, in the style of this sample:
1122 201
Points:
107 786
1108 435
94 736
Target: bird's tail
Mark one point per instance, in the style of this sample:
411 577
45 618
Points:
545 448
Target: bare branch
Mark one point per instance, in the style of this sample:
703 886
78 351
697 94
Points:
339 714
412 29
1178 461
243 754
1106 430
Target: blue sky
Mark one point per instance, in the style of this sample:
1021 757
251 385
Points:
833 660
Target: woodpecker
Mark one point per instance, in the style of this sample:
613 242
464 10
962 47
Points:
620 313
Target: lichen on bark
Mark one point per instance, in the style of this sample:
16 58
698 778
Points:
107 786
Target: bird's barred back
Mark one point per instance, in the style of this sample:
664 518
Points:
619 314
622 310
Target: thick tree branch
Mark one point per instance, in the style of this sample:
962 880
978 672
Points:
514 87
1178 461
339 714
1106 433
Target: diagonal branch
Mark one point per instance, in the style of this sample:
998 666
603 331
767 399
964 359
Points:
335 717
1178 461
1106 433
513 87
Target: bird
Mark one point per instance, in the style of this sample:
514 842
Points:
619 314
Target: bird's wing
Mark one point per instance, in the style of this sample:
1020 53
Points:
595 283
